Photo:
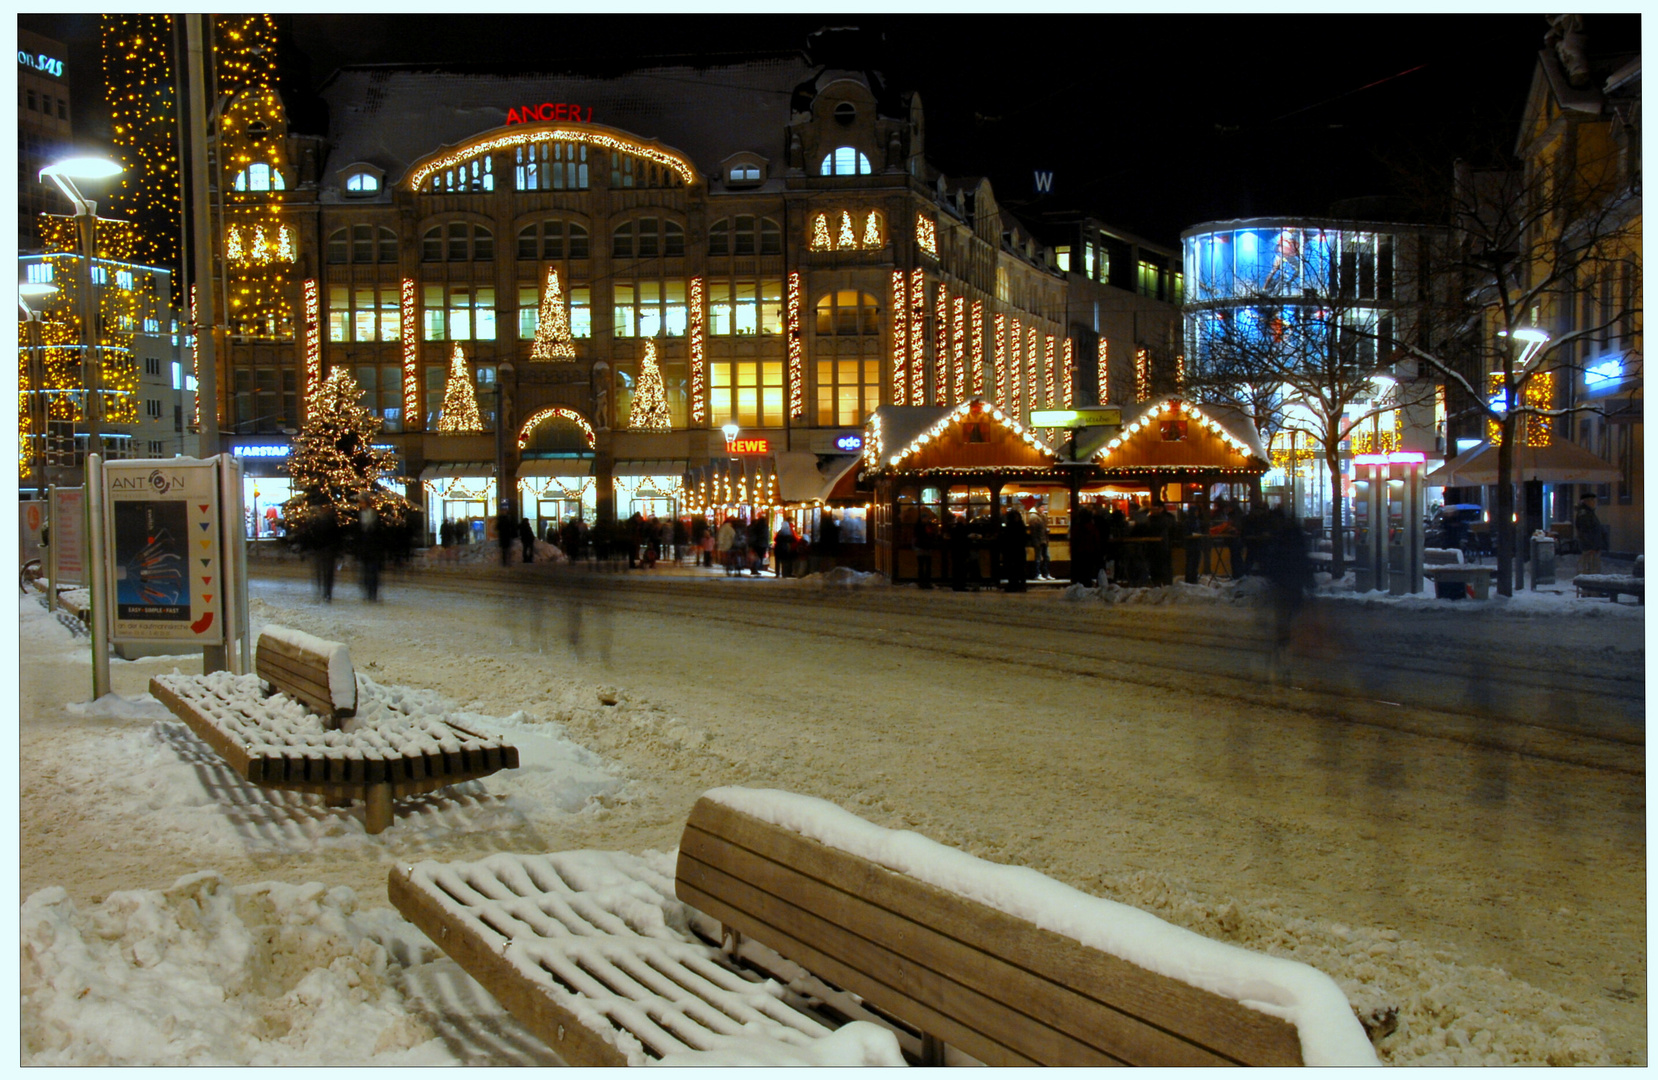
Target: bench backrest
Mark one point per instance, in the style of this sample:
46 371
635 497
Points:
989 983
308 669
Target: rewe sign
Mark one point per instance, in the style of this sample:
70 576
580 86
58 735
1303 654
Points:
549 111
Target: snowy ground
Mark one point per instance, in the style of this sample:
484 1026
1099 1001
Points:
1475 908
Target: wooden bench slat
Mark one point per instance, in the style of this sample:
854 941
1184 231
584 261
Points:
912 992
1112 1033
1208 1020
555 1025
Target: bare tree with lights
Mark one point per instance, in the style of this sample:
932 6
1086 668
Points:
1543 262
1297 353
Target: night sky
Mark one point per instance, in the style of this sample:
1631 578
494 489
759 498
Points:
1151 122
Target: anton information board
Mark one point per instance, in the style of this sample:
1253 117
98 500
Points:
161 541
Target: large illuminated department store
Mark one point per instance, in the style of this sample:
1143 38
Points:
768 231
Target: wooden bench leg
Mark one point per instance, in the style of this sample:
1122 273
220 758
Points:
336 800
932 1050
377 807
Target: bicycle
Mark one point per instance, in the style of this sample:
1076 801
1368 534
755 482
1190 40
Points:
31 574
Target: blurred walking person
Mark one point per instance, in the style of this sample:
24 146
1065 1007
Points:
1283 562
370 552
1591 535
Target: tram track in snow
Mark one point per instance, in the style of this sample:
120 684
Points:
1514 705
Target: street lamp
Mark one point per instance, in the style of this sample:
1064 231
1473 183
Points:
64 173
36 291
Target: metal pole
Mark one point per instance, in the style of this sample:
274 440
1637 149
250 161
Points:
207 381
91 361
92 499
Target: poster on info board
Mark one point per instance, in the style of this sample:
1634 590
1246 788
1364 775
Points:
162 543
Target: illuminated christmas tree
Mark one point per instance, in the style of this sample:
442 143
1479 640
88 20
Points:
650 399
552 330
460 403
820 233
333 462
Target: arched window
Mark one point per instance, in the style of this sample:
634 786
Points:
647 238
845 161
552 166
552 238
745 235
457 242
477 174
362 244
259 177
362 183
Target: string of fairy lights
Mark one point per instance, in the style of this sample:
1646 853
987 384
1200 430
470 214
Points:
121 306
649 411
460 402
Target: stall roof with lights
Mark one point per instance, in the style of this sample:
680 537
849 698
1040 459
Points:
1175 436
972 437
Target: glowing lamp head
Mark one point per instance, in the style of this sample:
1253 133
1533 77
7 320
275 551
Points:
729 429
81 168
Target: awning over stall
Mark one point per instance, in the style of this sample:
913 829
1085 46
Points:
445 469
555 467
649 467
805 477
1556 463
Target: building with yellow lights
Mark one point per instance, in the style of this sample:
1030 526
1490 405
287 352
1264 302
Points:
1582 126
770 231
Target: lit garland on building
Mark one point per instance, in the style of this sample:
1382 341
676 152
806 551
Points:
918 338
1048 372
797 373
555 411
1103 392
527 135
699 375
1384 434
195 358
1015 367
1142 374
120 312
1001 359
412 420
926 235
649 411
25 415
138 84
552 328
900 335
1033 364
1070 373
978 348
958 350
1180 372
313 338
847 240
460 401
941 347
1536 393
1172 408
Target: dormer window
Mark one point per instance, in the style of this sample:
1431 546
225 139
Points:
743 174
362 183
845 161
845 113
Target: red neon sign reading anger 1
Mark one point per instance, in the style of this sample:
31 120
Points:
548 111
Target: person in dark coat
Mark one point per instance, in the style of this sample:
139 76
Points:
1085 546
959 548
1591 535
759 541
923 541
1283 562
1115 532
1163 527
370 550
1013 550
526 539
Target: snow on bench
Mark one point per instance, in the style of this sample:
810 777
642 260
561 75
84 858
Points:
387 751
1614 585
960 960
308 669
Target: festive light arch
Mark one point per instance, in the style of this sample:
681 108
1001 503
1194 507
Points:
559 412
530 134
1174 408
942 425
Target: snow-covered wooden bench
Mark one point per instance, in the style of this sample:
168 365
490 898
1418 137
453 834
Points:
384 752
960 960
1615 585
1475 580
309 670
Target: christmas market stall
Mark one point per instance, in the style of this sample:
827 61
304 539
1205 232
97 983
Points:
933 466
1177 452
